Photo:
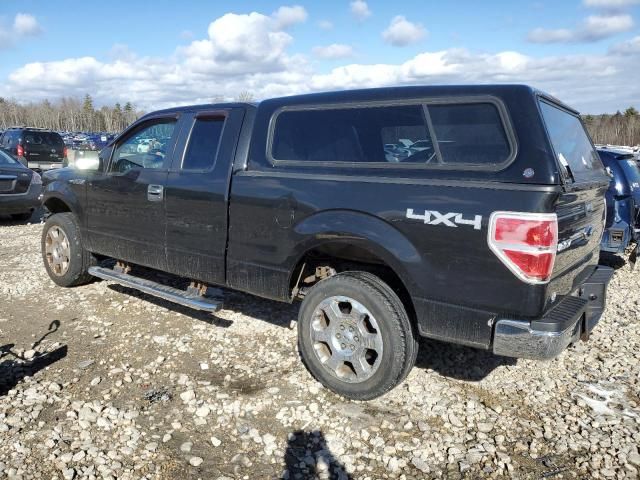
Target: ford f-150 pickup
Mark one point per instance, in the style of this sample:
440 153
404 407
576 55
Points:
485 234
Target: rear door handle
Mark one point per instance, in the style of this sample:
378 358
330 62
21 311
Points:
155 193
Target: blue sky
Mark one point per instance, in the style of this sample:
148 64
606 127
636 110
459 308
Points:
162 53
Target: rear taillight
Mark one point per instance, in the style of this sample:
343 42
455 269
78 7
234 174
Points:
20 151
526 243
64 152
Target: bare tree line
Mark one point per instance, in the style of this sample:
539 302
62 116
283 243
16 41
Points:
73 114
67 114
78 115
621 128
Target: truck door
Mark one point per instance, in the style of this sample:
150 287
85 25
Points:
197 194
125 201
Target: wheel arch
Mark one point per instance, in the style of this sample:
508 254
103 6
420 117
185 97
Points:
55 204
354 239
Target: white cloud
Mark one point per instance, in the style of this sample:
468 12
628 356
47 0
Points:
25 25
611 4
592 29
251 53
629 47
239 44
545 35
402 32
333 51
287 16
596 27
360 10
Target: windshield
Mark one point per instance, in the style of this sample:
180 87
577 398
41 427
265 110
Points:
7 160
572 146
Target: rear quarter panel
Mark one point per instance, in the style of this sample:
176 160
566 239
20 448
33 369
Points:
276 218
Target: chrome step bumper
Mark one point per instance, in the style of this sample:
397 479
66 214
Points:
572 318
174 295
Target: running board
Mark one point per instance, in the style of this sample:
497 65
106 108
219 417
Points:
175 295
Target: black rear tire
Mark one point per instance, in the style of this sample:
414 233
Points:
395 352
79 259
413 344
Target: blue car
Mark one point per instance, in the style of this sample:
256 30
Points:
623 200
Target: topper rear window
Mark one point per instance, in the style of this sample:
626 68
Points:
575 154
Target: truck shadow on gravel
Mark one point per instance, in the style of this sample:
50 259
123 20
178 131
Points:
14 367
36 217
308 456
457 361
449 360
612 260
275 313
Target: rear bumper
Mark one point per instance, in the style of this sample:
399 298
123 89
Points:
571 319
21 202
43 166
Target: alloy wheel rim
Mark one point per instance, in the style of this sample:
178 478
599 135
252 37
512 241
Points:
346 339
57 251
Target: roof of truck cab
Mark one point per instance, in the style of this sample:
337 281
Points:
201 107
410 92
375 94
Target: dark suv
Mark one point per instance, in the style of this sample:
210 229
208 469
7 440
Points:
487 234
37 148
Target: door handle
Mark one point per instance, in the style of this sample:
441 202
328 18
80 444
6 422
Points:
155 193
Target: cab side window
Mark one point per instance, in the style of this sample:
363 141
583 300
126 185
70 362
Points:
144 148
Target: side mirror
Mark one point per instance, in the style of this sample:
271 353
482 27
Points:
88 160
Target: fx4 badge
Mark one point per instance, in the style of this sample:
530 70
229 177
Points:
451 219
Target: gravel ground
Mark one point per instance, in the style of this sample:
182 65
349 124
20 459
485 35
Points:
104 382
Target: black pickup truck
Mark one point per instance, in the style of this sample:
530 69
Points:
468 214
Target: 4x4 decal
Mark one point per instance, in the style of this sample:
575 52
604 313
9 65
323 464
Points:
450 219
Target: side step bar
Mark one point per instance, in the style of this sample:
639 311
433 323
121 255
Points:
181 297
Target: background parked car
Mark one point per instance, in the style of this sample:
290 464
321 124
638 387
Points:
623 200
20 188
37 148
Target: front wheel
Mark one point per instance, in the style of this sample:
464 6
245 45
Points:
65 259
355 337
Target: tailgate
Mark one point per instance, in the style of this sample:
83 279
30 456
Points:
581 207
40 147
581 216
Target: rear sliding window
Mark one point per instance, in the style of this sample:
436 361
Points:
203 144
461 135
572 146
